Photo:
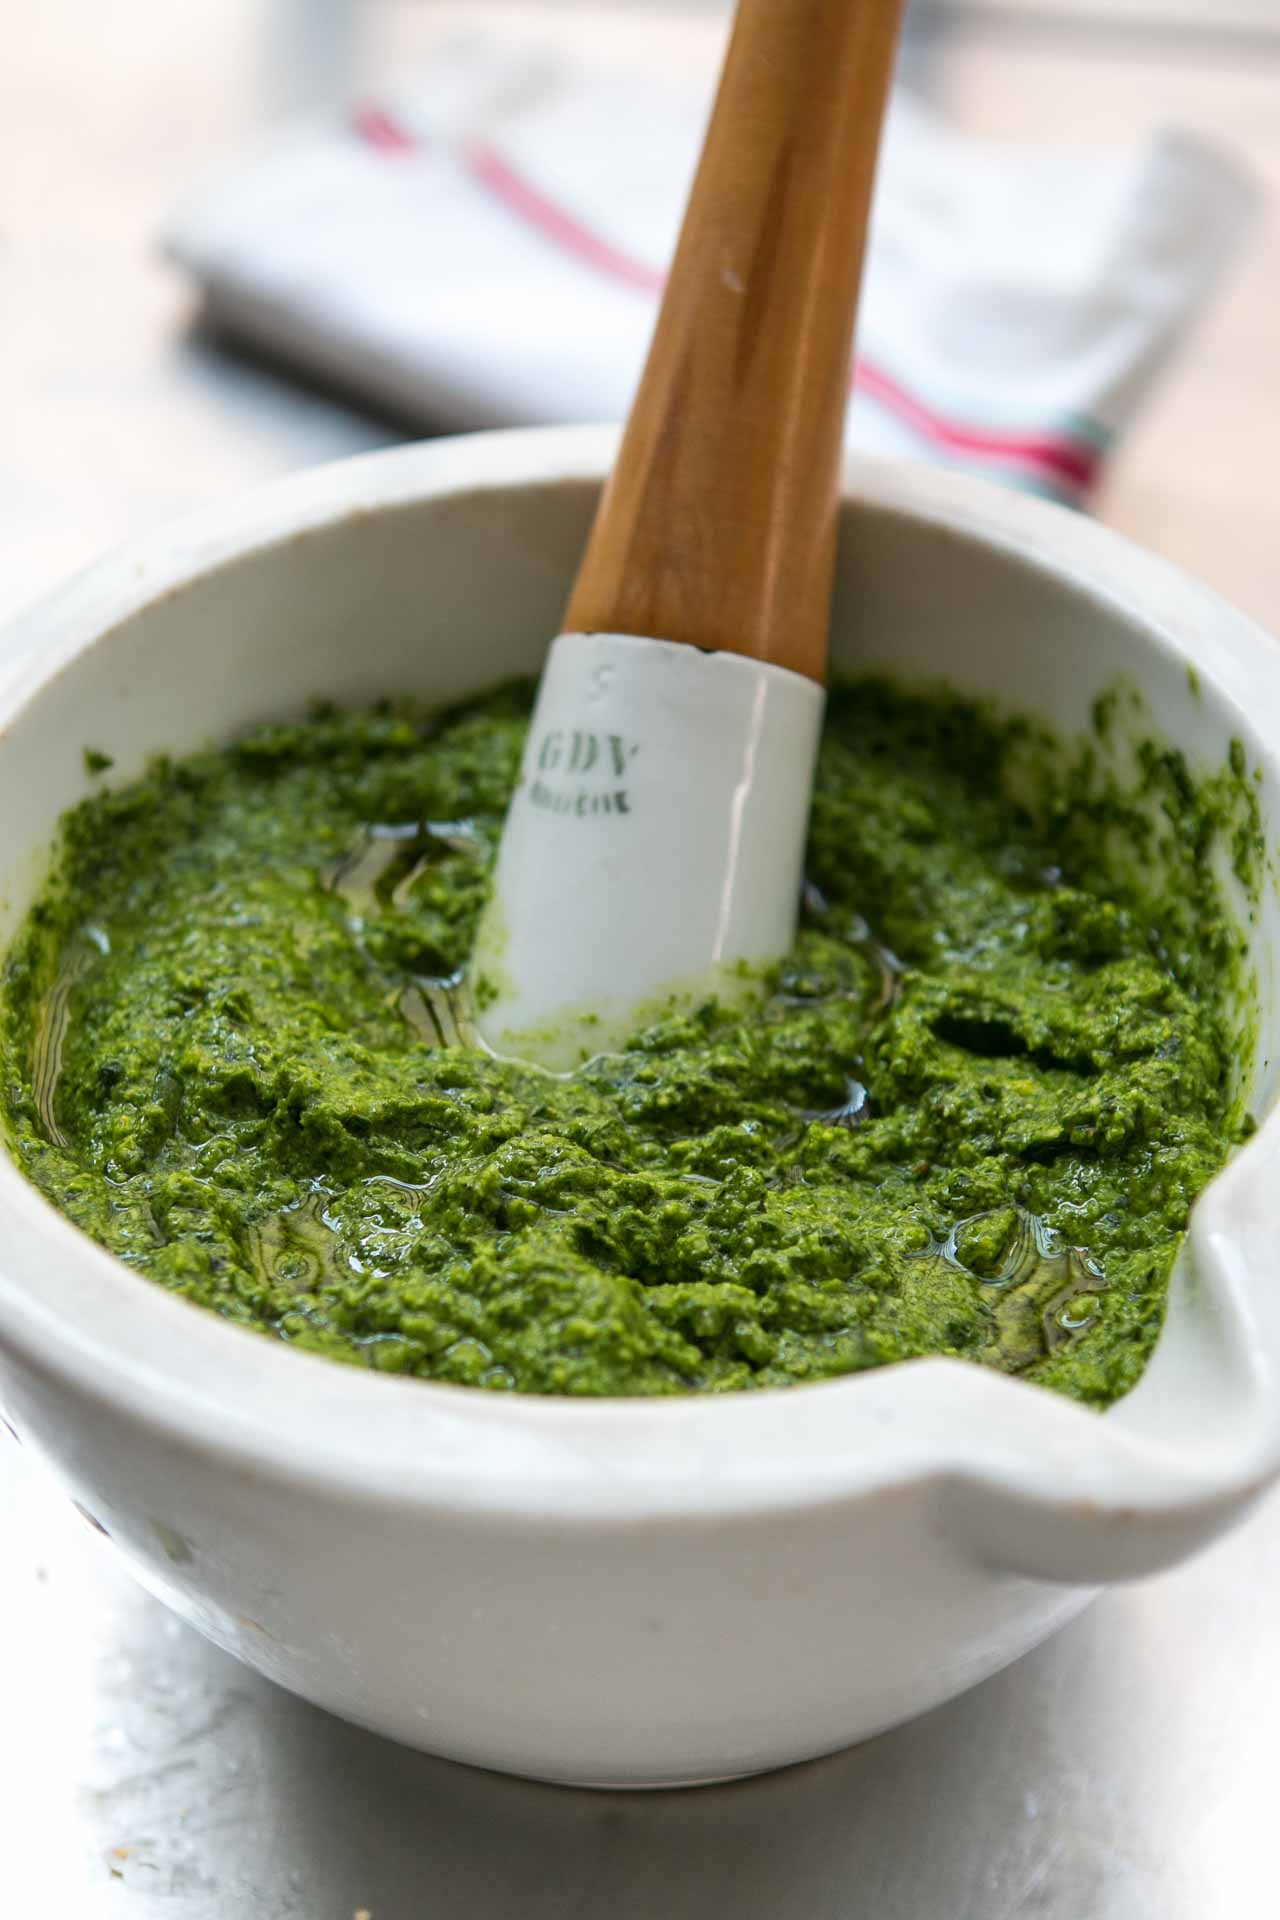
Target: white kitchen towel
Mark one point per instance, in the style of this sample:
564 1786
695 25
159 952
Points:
488 249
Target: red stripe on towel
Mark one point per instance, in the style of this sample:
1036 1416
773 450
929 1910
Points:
384 132
495 173
1065 461
1069 461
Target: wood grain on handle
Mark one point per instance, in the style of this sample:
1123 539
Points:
718 525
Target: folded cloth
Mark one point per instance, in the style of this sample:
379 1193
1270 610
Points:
488 250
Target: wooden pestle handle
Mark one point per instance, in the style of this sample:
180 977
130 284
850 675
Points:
718 525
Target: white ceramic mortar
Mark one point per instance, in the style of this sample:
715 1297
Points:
617 1592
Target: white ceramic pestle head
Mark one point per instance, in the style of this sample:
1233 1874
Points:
653 849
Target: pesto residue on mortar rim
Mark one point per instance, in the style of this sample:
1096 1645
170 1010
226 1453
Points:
971 1118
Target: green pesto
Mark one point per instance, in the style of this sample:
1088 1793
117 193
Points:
970 1119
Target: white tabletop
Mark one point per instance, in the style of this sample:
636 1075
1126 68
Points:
1124 1772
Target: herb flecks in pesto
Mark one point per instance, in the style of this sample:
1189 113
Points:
971 1117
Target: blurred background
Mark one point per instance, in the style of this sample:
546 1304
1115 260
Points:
122 407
